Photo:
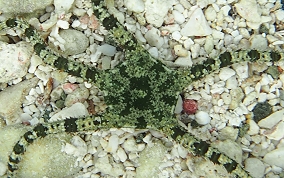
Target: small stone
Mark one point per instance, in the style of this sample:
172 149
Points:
253 128
232 83
275 157
281 94
153 38
262 97
210 13
107 49
255 167
209 44
226 98
154 52
150 160
237 96
81 146
10 111
176 35
189 106
180 51
62 6
78 95
217 34
228 133
279 14
106 61
273 71
74 111
276 133
261 111
250 98
179 18
182 151
130 145
230 148
112 144
29 6
241 69
197 25
121 154
134 5
258 42
156 10
248 9
178 108
74 41
15 60
226 73
202 118
35 61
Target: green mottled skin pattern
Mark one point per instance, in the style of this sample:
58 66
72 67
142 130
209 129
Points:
140 92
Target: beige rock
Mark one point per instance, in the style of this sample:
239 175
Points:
11 100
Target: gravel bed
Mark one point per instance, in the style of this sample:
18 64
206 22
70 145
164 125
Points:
180 33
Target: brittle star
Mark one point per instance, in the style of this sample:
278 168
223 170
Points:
141 92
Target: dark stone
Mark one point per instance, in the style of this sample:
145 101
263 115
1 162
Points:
261 111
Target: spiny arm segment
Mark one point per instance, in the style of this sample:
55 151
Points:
202 148
41 130
72 67
226 59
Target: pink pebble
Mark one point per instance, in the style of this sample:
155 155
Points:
189 106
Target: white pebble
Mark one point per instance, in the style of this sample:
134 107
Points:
62 24
275 157
248 9
134 5
241 69
226 98
276 133
255 167
154 52
3 168
197 24
217 34
153 38
112 144
130 145
262 97
202 117
226 73
62 6
232 83
180 51
210 13
107 49
157 10
179 18
176 35
249 99
121 154
253 128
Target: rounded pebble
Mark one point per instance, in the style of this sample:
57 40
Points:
202 118
255 167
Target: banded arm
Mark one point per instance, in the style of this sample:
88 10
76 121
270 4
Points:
203 149
70 66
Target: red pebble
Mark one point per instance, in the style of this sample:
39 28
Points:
189 106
